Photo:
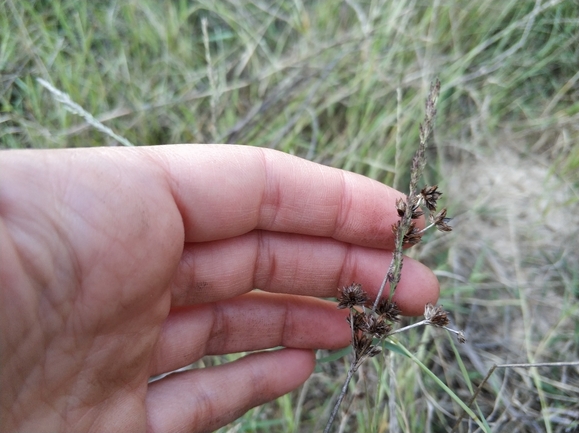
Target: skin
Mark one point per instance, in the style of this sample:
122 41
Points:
118 264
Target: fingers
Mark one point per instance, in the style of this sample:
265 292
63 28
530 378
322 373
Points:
250 322
301 265
226 191
204 400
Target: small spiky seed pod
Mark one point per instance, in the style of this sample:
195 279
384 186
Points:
401 209
430 194
351 296
356 320
412 236
436 315
441 221
376 326
363 346
389 310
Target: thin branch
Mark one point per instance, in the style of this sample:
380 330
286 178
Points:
351 371
212 81
398 153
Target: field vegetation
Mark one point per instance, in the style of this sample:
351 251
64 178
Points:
343 83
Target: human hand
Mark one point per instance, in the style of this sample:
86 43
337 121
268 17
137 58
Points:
117 264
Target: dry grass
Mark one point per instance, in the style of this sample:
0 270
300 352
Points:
341 83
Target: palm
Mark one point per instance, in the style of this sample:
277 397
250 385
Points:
104 263
133 264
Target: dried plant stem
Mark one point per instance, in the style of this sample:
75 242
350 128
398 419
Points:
406 328
371 326
397 155
212 81
358 360
75 108
393 385
418 164
351 371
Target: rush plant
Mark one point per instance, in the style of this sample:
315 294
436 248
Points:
372 321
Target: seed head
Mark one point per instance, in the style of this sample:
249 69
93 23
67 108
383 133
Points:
436 315
351 296
412 236
441 221
388 310
363 346
430 194
376 326
356 320
401 209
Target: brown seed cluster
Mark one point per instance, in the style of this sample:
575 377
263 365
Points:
430 195
352 296
365 323
368 324
436 315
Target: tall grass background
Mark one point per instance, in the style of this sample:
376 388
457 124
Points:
343 83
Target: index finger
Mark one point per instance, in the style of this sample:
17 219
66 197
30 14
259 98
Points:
225 191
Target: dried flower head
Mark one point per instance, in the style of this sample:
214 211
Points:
412 236
363 347
401 209
376 326
389 310
356 320
441 221
436 315
430 195
351 296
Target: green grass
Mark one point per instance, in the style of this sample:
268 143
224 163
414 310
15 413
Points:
341 83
